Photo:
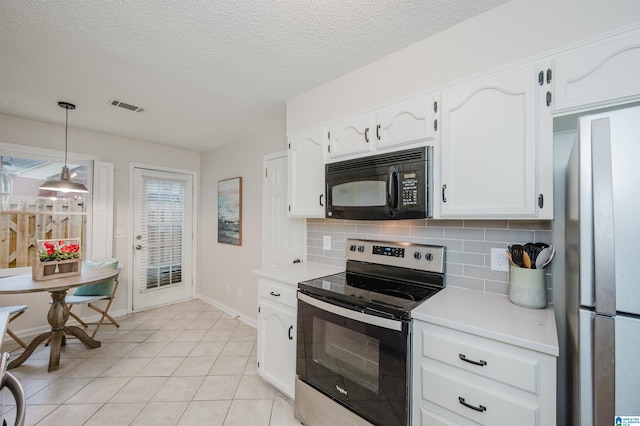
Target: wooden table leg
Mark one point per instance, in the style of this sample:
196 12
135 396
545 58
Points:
57 317
32 347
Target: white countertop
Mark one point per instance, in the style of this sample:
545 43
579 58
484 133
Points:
492 316
296 272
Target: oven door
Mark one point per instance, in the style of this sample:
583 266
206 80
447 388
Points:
357 359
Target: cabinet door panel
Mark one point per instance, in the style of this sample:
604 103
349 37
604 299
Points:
349 136
276 352
306 174
406 122
602 73
489 146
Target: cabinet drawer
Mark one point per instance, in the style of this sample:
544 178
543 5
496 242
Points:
277 292
483 404
488 358
429 418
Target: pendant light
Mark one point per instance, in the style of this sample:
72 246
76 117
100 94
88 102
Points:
64 184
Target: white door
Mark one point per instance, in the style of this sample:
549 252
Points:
282 237
162 238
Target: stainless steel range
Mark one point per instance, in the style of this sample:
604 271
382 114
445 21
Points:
353 355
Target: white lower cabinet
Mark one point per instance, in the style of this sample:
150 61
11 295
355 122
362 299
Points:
277 334
464 379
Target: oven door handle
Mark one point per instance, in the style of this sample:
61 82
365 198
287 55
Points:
354 315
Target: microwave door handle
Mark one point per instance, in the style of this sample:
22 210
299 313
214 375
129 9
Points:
394 189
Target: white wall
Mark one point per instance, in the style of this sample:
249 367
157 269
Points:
223 266
119 151
512 32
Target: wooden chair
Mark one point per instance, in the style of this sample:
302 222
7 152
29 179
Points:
14 313
100 292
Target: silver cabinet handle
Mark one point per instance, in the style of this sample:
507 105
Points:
138 247
273 293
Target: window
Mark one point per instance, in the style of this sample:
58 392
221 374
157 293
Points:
163 230
28 214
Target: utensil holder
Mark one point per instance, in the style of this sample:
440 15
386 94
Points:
527 288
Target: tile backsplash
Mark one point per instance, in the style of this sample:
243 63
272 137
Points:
468 244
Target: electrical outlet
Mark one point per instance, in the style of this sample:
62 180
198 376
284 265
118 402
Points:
326 242
499 259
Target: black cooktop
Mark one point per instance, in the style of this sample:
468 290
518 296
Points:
382 278
379 296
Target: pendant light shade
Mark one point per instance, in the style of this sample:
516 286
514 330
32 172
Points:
64 183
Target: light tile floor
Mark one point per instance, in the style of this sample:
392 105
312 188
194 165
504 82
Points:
184 364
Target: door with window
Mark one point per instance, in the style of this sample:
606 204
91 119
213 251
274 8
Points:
162 238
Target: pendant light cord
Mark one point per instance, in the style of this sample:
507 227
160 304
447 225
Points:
66 129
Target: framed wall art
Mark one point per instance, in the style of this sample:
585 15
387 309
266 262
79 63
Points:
230 211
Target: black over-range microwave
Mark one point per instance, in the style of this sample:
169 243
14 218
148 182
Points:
395 185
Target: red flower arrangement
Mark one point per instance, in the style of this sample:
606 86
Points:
51 251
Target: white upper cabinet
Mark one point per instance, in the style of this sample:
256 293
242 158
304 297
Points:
391 127
306 173
351 136
406 122
495 136
603 73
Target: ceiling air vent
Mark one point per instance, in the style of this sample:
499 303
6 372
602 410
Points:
125 105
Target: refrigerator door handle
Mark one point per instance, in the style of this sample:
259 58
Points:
604 372
603 230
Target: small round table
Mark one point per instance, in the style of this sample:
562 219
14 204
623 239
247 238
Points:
59 310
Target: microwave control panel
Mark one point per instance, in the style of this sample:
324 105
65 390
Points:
409 187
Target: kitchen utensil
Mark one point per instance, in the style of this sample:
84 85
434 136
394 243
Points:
526 260
543 257
510 259
516 254
553 253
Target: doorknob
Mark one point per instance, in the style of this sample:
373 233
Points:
138 247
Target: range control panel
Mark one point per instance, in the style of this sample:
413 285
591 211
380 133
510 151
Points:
388 251
423 257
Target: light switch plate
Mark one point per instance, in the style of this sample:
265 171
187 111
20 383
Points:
326 242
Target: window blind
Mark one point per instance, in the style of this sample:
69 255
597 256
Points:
162 231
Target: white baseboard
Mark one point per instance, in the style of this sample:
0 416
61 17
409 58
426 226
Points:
245 319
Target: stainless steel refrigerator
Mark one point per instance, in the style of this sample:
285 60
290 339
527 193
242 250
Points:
603 268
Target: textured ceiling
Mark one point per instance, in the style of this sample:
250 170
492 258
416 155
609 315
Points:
206 72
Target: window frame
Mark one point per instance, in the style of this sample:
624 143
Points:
37 153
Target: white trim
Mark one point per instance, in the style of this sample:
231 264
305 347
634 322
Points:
194 245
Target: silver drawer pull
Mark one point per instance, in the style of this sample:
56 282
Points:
480 408
275 294
481 363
